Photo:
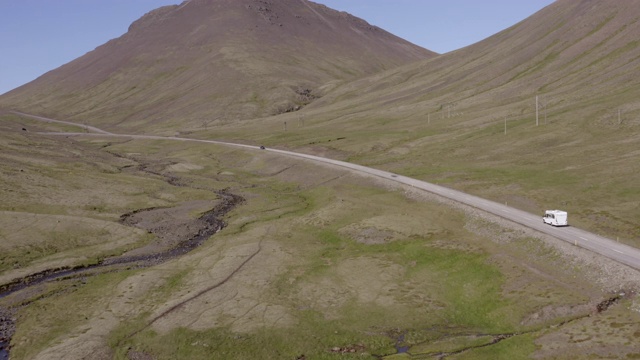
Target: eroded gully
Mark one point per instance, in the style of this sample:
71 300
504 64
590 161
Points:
206 225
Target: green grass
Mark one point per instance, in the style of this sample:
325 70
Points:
454 344
517 347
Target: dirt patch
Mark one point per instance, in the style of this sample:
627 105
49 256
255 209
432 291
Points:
371 280
609 331
228 289
549 313
370 235
349 349
366 280
138 355
387 228
184 167
170 225
185 234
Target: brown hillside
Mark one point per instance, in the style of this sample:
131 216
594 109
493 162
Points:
571 51
207 60
444 119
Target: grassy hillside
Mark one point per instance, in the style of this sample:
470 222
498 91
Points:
443 120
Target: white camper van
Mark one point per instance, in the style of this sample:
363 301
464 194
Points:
555 218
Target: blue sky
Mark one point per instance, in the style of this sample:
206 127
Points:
40 35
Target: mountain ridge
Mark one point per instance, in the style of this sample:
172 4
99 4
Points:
215 60
542 55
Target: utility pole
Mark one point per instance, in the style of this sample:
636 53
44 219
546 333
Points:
536 110
619 117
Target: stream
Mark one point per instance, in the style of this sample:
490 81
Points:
211 219
7 326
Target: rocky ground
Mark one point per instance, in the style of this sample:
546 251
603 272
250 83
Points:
7 328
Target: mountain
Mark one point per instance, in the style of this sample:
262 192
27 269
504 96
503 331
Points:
208 60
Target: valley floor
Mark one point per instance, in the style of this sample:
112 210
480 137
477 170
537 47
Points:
316 263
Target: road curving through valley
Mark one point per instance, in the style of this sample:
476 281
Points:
604 246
